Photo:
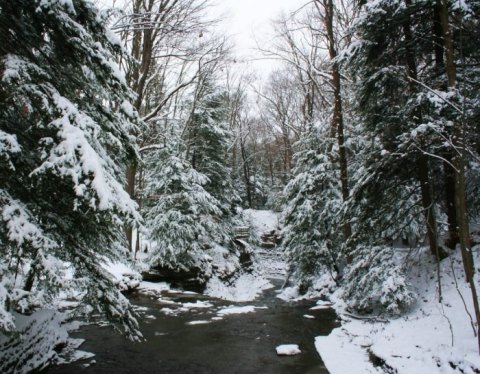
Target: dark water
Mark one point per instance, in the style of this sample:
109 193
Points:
240 343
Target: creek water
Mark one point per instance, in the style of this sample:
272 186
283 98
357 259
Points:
238 343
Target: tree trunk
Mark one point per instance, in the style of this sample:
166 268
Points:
422 162
459 165
140 204
288 153
30 280
438 37
337 120
449 184
130 187
142 49
449 179
270 160
246 174
428 207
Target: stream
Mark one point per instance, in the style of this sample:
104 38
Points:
189 333
236 343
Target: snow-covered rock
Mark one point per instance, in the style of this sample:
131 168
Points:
125 277
198 322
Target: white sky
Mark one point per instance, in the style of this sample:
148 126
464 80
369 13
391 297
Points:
249 21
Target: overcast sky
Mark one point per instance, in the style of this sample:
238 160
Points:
249 21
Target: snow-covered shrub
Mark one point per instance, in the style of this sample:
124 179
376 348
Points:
376 283
324 284
34 347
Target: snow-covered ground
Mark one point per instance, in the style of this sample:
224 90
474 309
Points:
267 264
245 288
433 338
261 221
269 261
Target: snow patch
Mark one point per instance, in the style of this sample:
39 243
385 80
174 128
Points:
125 277
155 288
261 221
335 348
237 310
199 322
288 350
289 293
245 288
168 311
197 305
320 307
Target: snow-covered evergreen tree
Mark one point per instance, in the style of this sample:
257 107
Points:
210 139
181 215
376 283
399 62
64 123
384 207
311 216
406 118
374 280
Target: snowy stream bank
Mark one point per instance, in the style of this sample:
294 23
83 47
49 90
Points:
434 337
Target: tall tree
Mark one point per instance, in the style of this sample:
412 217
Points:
64 143
459 142
409 105
312 205
181 214
209 140
394 106
163 58
327 9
